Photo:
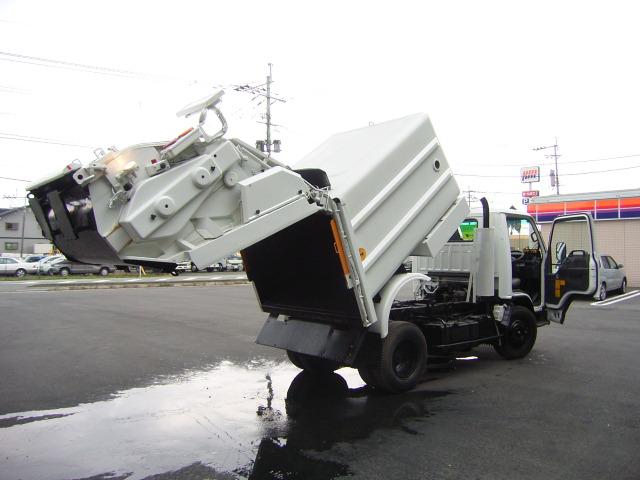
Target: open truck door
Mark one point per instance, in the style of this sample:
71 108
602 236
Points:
570 268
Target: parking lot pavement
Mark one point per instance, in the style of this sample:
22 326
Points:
166 383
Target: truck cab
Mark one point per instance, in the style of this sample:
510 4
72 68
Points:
524 271
519 250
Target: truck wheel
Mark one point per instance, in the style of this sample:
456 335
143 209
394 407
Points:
520 336
401 360
312 364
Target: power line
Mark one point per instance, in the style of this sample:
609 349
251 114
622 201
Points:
564 163
564 174
14 179
26 138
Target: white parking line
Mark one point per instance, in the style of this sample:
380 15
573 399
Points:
133 280
239 277
162 279
619 298
100 281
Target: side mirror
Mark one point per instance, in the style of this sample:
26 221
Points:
561 251
620 265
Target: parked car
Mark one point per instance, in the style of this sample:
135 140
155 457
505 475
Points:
13 266
612 277
234 263
41 270
217 267
65 267
32 261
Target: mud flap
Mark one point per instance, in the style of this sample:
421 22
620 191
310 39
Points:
317 339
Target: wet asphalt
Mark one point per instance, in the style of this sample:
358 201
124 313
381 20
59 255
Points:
167 383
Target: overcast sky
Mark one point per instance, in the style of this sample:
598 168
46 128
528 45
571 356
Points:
497 79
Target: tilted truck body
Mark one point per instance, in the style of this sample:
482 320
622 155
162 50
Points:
322 243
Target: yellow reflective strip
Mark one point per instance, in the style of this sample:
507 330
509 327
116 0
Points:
339 248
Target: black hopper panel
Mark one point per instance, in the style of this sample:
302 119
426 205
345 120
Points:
297 272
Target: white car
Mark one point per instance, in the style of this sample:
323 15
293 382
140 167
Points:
13 266
611 276
43 265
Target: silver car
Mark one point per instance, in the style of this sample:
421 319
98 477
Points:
14 266
612 277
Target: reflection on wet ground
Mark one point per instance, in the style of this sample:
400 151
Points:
262 420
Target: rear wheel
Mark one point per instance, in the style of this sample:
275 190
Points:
520 336
602 293
64 272
401 361
21 272
623 287
104 271
312 364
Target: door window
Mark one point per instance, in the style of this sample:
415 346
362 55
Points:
522 234
605 262
612 262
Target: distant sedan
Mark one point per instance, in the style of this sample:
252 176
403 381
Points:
65 267
13 266
611 276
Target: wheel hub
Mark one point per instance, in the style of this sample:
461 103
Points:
405 359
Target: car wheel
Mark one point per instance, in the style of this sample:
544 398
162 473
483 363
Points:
311 364
104 271
602 293
64 272
520 336
21 272
194 269
623 287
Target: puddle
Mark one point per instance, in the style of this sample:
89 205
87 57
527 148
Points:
253 421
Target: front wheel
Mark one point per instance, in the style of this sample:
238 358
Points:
104 271
21 272
311 364
520 336
64 272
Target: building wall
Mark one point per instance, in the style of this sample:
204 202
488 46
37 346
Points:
621 240
32 232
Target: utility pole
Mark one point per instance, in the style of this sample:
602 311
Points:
268 119
470 197
555 158
269 145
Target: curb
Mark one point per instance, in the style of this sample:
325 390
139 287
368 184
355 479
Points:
112 285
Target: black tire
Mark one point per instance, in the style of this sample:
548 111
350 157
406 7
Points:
602 293
21 272
401 361
64 272
311 364
520 336
194 269
210 269
623 287
104 271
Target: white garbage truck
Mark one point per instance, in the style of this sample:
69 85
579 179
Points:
324 243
